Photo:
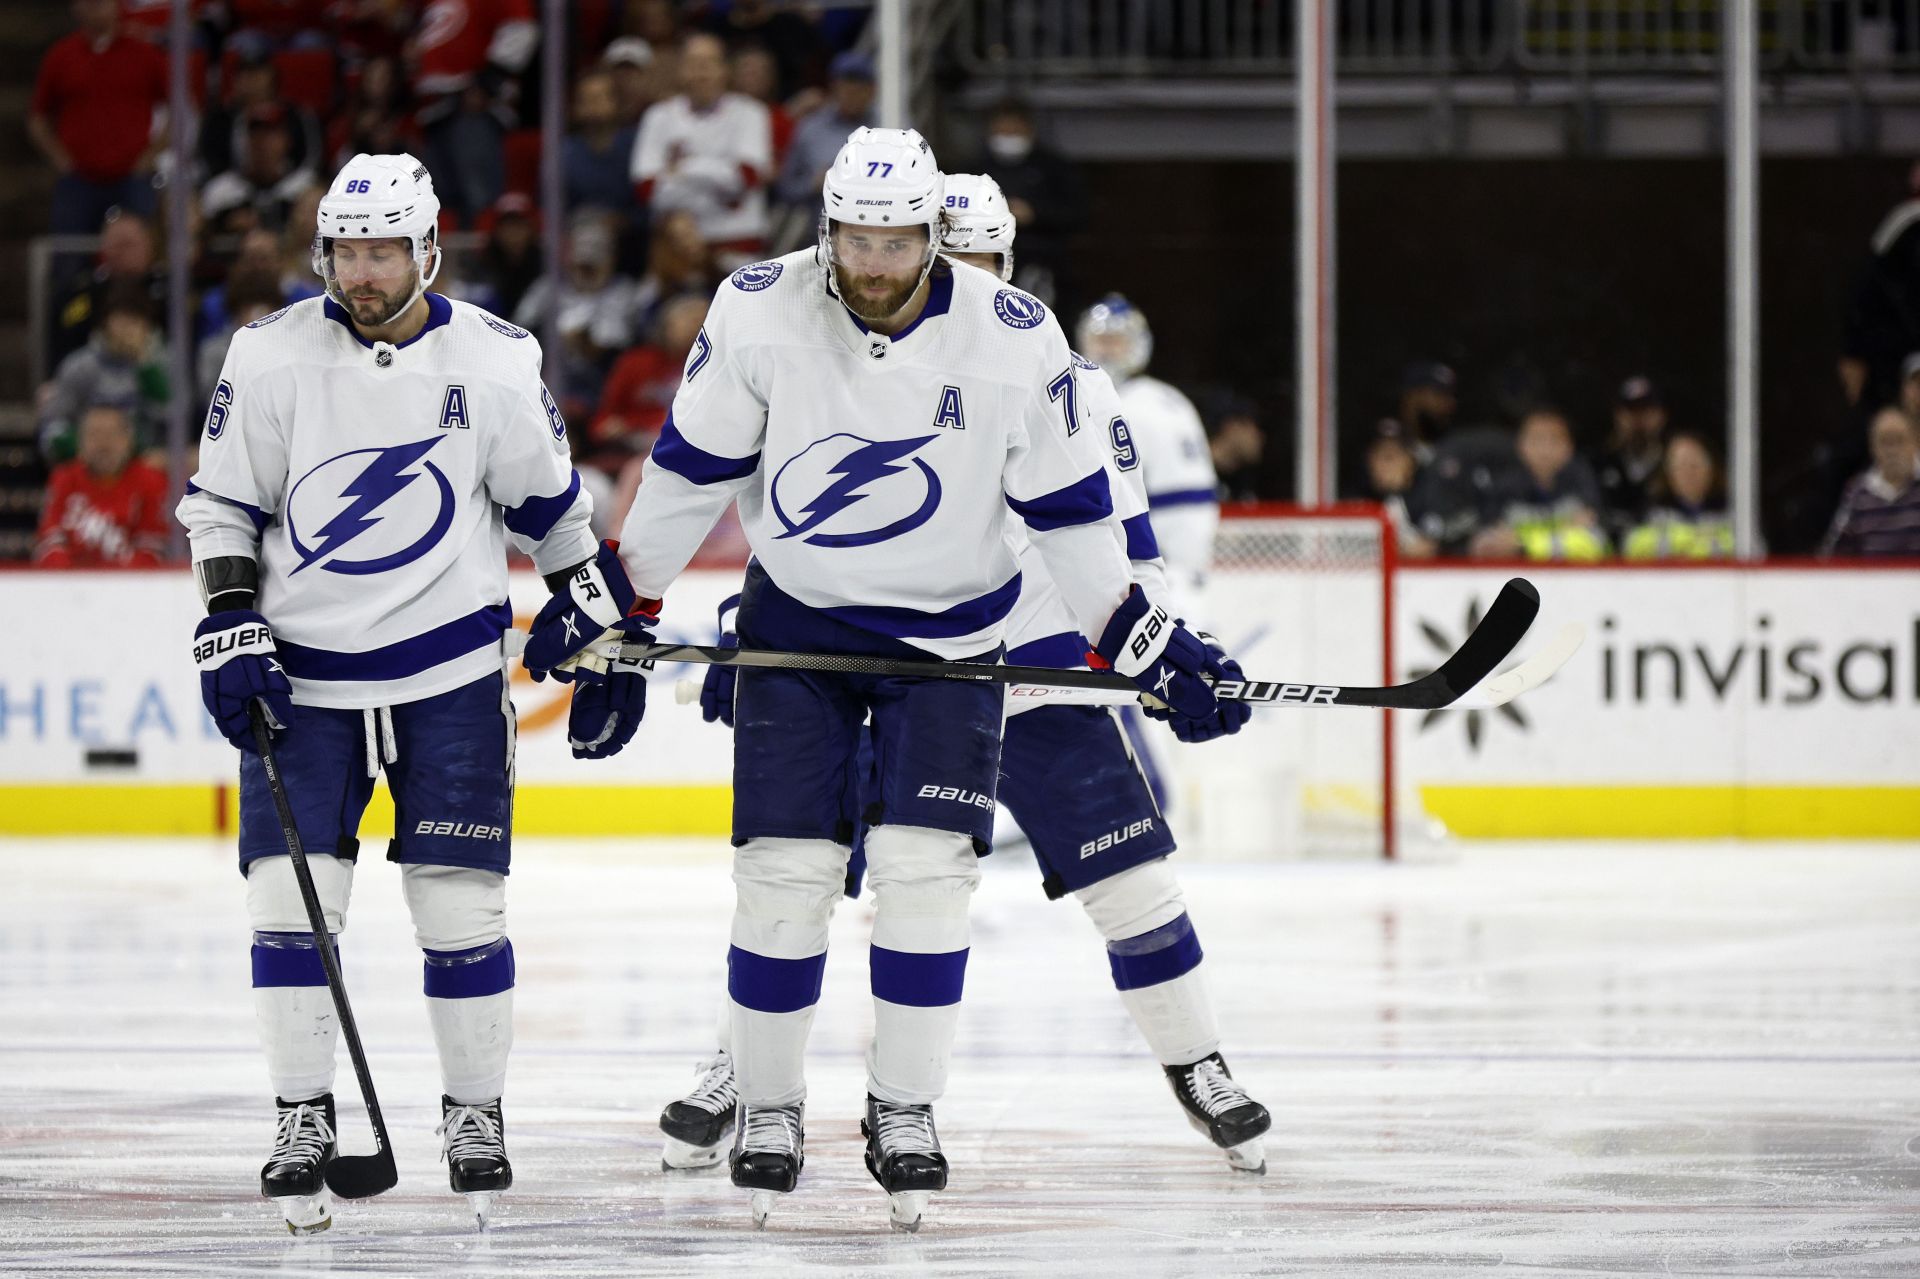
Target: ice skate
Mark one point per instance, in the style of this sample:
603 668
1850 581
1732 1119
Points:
697 1126
1222 1110
473 1141
903 1154
769 1150
295 1174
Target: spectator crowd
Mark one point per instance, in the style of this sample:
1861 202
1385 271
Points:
696 140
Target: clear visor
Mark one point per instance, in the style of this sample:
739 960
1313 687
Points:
881 250
345 265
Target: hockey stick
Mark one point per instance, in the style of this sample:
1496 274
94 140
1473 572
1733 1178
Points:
1496 690
1499 632
349 1176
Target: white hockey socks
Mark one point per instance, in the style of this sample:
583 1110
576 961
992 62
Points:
1155 956
923 882
291 1003
785 890
459 922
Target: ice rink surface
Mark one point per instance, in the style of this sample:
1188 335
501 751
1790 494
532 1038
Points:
1559 1060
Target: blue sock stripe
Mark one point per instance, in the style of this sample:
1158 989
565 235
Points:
774 985
918 981
1169 951
288 959
469 974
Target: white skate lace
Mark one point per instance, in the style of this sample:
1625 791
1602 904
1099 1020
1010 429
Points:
905 1130
715 1092
1214 1089
302 1137
772 1130
469 1132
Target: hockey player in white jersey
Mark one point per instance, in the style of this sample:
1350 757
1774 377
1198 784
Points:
1171 442
364 459
1071 780
879 416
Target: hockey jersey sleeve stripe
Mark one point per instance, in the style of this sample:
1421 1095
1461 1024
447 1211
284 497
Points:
535 517
1180 497
400 660
1085 501
254 513
964 618
1141 544
690 462
1066 650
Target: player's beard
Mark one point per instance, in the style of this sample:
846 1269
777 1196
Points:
376 314
872 309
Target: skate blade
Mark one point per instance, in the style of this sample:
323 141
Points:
306 1214
762 1203
481 1202
677 1155
1248 1157
906 1208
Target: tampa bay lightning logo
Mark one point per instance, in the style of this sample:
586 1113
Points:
265 320
755 276
501 326
1018 310
1082 362
373 500
846 491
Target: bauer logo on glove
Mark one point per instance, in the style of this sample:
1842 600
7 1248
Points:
597 603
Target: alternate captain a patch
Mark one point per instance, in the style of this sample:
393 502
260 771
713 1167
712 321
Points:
453 409
951 413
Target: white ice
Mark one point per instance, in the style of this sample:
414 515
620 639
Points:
1561 1060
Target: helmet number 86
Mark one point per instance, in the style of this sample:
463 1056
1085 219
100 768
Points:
359 186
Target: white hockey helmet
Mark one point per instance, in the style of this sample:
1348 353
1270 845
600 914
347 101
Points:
1126 343
978 220
380 197
882 178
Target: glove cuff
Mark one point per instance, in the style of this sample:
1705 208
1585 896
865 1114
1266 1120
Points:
1136 635
224 636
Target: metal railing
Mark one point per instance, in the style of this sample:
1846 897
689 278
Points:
1165 38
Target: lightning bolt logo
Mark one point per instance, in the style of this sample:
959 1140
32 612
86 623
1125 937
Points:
854 476
371 488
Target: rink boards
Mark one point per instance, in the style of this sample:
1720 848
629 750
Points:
1777 701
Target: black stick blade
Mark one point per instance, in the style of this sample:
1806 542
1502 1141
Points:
1499 632
362 1176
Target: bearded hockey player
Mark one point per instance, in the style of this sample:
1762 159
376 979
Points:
881 418
364 460
1071 780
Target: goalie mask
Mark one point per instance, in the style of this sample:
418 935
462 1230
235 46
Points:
882 180
379 197
1114 335
978 220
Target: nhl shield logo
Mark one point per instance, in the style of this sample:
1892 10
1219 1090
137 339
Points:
877 348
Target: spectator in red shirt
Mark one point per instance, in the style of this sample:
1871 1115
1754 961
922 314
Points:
93 118
634 406
640 390
105 507
469 56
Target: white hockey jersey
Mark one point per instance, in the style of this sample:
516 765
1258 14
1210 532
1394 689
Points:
1041 630
875 475
1181 486
376 486
715 163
